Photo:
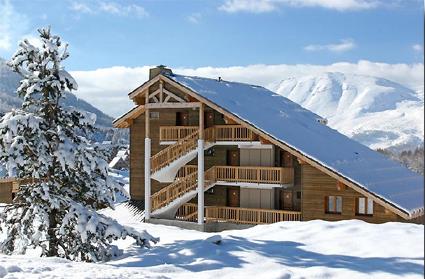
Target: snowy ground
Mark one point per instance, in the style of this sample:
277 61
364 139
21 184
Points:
316 249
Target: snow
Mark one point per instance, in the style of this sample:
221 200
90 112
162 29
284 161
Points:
374 111
297 127
314 249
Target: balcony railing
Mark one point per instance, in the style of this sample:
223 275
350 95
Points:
249 215
229 133
271 175
215 133
189 182
188 212
175 133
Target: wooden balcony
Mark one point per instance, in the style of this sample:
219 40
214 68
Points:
187 180
188 212
215 133
266 175
175 133
249 215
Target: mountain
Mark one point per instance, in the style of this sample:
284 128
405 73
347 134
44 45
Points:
374 111
9 81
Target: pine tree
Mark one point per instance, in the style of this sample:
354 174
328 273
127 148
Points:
65 177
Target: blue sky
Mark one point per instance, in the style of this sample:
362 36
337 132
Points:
195 33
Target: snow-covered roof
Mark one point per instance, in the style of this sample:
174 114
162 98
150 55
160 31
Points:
301 129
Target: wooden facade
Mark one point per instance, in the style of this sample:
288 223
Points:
289 183
316 186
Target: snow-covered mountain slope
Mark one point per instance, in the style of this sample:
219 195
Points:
374 111
9 81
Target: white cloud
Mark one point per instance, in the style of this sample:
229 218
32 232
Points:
81 7
12 25
194 18
262 6
109 7
342 46
253 6
418 47
123 10
107 88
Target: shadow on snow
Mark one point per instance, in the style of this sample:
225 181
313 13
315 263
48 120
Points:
200 255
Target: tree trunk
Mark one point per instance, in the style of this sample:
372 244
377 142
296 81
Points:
53 244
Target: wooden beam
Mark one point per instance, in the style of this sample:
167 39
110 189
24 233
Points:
291 150
124 121
173 105
141 89
161 91
153 94
177 98
201 121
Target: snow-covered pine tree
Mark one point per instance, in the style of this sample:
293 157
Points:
65 178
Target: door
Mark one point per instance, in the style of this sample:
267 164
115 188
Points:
233 197
182 118
286 200
233 157
209 119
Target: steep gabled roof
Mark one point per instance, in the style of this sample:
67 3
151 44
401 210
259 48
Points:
301 130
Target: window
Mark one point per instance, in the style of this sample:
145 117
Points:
333 204
154 114
364 206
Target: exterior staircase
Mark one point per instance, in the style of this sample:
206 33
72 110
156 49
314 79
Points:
166 163
166 202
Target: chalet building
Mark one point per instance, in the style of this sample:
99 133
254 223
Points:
215 153
8 188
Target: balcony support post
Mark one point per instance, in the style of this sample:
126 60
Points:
147 167
201 177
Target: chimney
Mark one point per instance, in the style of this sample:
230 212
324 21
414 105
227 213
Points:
323 121
161 69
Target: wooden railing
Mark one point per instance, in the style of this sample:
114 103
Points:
180 187
249 215
229 133
176 189
175 133
189 182
186 170
171 153
214 133
185 145
187 212
273 175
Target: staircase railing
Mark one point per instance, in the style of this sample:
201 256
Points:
180 187
189 143
187 212
172 152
